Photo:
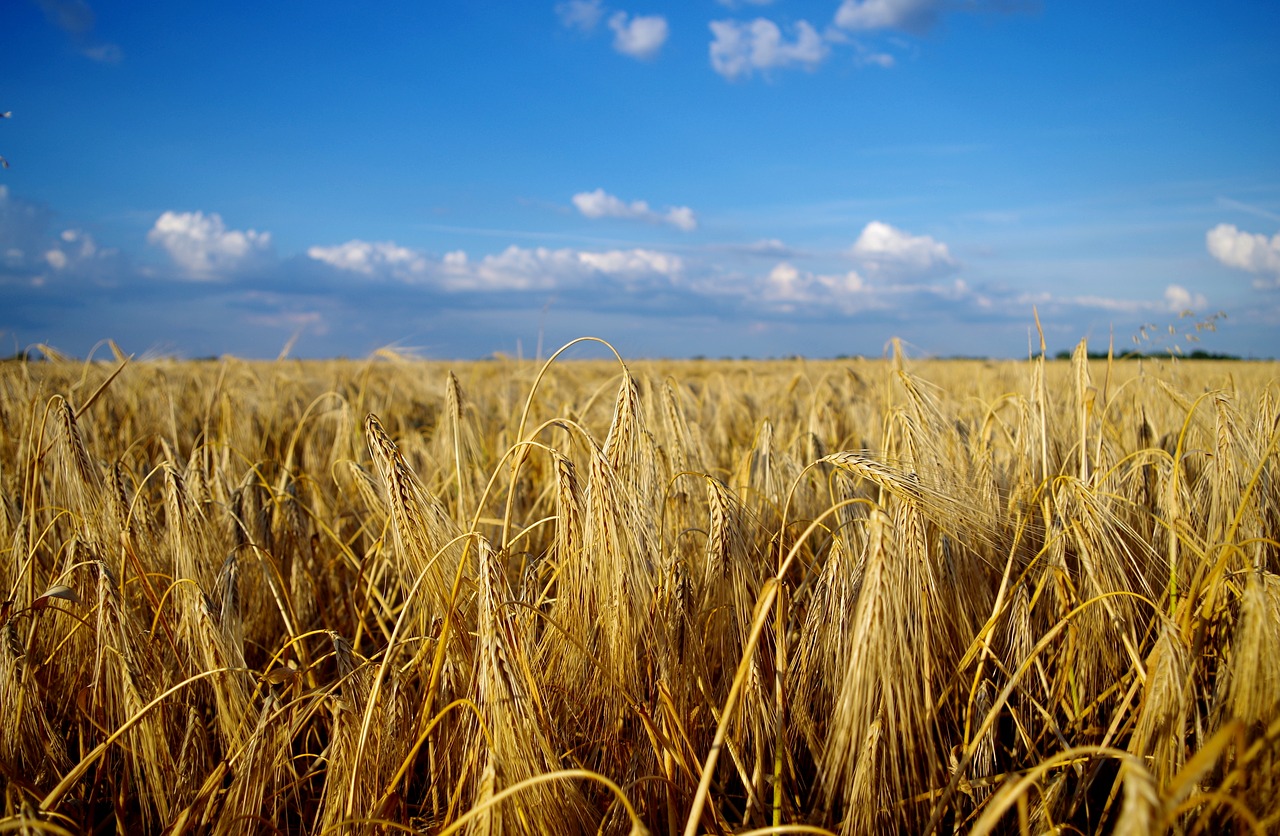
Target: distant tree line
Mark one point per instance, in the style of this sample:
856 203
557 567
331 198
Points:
1197 354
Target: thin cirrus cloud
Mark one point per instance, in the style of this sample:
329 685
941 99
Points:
1175 300
76 18
203 247
767 248
601 204
1248 251
739 50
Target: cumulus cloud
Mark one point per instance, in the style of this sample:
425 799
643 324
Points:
1178 299
640 36
203 246
1251 252
739 49
32 254
601 204
542 268
914 16
513 269
582 15
372 257
888 251
789 286
73 249
908 15
817 295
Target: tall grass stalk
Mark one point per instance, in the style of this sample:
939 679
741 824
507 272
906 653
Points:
855 596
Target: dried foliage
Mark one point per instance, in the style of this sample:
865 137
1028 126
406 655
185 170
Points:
843 596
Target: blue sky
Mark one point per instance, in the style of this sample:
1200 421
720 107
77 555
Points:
705 177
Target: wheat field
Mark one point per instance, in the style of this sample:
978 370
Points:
854 596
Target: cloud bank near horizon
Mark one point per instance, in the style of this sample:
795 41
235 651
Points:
883 273
889 273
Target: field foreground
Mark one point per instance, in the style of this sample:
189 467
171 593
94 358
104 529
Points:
676 597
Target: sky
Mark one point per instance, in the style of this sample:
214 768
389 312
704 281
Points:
699 178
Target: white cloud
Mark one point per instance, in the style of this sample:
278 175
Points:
888 251
681 217
866 57
632 263
786 284
739 49
33 254
915 16
582 15
79 243
1251 252
513 269
1174 300
783 281
73 248
641 36
1178 299
203 246
911 15
790 290
541 268
601 204
772 247
372 257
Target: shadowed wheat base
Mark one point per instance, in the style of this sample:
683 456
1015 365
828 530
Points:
841 596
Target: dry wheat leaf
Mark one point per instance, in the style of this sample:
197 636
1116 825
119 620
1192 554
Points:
65 593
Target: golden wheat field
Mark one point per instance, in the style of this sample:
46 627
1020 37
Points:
856 596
